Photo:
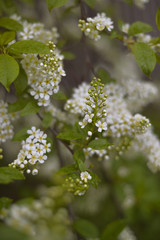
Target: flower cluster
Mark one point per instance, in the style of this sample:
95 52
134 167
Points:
127 234
105 110
42 218
93 26
33 152
149 145
44 74
35 31
6 128
78 184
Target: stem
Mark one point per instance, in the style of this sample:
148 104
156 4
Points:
55 133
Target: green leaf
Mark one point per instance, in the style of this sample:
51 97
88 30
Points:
86 228
113 229
145 57
79 158
139 27
21 81
104 76
10 24
47 120
8 174
21 134
30 108
28 46
60 96
5 202
55 3
67 169
155 40
18 105
68 55
158 19
129 2
8 71
90 3
94 180
7 37
98 144
8 233
69 135
158 58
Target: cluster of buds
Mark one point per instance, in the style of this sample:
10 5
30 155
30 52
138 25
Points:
78 184
95 111
93 26
33 152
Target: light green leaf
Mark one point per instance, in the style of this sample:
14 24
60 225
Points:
8 174
113 229
55 3
67 169
28 46
60 96
5 202
7 37
94 180
9 70
145 57
86 228
10 24
8 233
158 19
47 120
139 27
68 55
30 108
90 3
98 144
21 134
21 81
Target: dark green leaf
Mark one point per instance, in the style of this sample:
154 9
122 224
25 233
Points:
8 71
5 202
158 58
68 55
79 159
47 120
90 3
104 76
67 169
145 57
28 46
8 233
69 135
10 24
8 6
94 180
7 37
113 229
139 27
18 105
158 19
21 134
55 3
98 144
86 228
21 81
8 174
30 108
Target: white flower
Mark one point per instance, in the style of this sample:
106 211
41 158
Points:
101 126
85 176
